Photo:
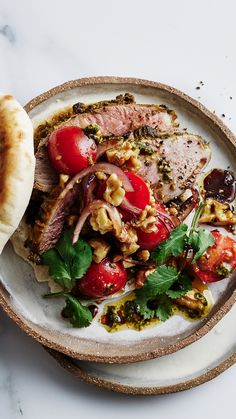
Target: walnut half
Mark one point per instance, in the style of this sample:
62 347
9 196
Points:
125 155
131 246
100 249
147 219
114 193
100 221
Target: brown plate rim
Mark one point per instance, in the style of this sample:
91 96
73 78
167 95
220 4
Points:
69 365
144 355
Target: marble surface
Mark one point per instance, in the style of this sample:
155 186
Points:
46 43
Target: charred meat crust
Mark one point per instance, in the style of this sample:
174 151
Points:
125 99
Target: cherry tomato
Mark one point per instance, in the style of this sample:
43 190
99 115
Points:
102 279
139 198
149 241
70 150
213 265
141 195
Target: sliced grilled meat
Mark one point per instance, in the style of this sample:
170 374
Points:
120 119
48 226
46 177
174 165
113 119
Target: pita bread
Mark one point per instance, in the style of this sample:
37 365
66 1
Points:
17 164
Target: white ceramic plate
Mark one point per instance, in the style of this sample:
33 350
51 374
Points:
191 366
21 294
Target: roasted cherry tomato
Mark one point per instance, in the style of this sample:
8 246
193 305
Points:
139 198
218 261
102 279
70 150
141 195
149 241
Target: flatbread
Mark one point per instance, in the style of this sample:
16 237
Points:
17 164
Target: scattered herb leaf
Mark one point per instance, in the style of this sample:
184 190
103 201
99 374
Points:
78 314
164 308
57 268
180 287
68 262
173 246
160 307
159 281
200 240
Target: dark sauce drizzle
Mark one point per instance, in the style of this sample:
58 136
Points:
220 185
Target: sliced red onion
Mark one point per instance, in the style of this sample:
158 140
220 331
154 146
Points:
127 206
166 220
112 211
101 167
88 184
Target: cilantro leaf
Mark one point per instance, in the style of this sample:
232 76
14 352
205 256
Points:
164 308
142 303
154 298
68 262
200 239
159 307
78 314
159 281
57 268
173 246
180 287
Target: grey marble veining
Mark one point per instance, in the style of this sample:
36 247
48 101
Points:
6 31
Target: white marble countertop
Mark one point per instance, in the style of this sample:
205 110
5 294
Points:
43 44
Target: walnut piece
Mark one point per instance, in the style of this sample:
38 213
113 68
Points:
192 300
218 213
63 180
141 277
100 249
147 219
114 193
100 221
130 247
101 175
143 255
126 155
128 264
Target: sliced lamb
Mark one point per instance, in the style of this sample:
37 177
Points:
49 225
113 120
46 177
120 119
180 157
